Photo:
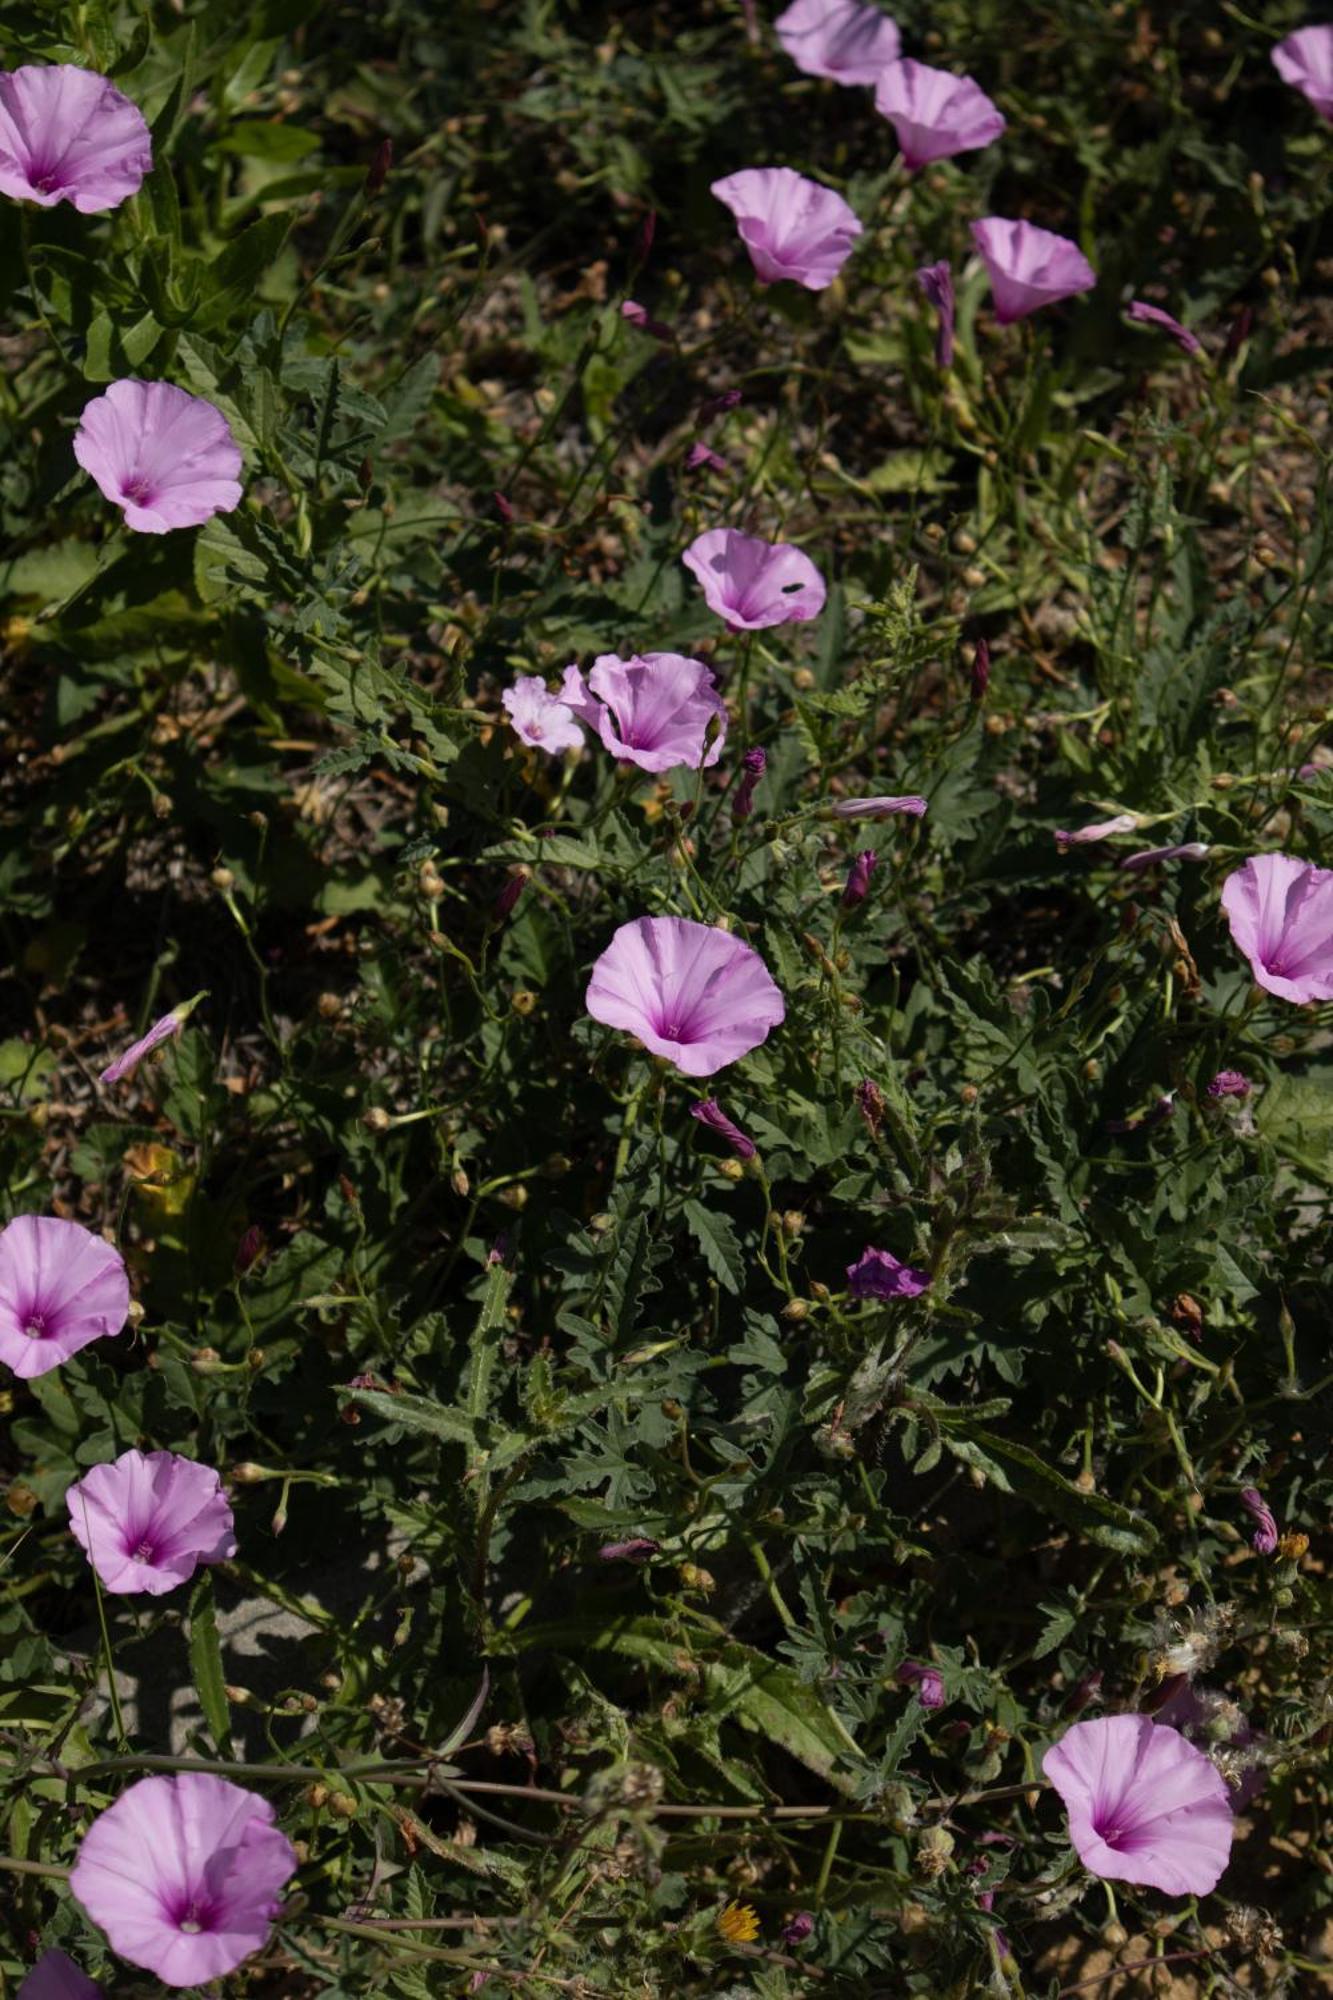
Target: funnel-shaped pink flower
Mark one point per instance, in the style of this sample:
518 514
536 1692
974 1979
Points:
793 228
1029 267
695 995
657 710
147 1521
55 1977
167 458
539 718
1144 1805
935 113
1305 61
184 1875
838 39
877 1274
752 583
1281 915
66 134
60 1287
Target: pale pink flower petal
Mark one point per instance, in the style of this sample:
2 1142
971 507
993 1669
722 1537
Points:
67 134
1281 915
1148 315
184 1875
934 113
1101 829
539 718
658 710
1305 60
752 583
60 1287
1029 267
695 995
56 1977
791 226
167 458
161 1031
1144 1805
878 808
581 704
838 39
146 1522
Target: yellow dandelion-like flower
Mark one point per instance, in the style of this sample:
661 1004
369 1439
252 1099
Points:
738 1923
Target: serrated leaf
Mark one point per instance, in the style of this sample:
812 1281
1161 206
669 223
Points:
717 1239
415 1413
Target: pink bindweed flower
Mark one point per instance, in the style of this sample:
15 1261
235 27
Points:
928 1682
878 808
936 281
67 134
1144 1805
870 1104
147 1521
717 406
1230 1083
638 316
60 1287
639 1549
1264 1539
1101 829
797 1928
56 1977
1280 911
658 710
1219 1727
161 1031
1029 267
838 39
753 765
168 459
542 720
710 1113
700 453
1305 61
508 899
1148 857
934 113
184 1875
698 996
1146 315
877 1274
792 227
858 878
753 583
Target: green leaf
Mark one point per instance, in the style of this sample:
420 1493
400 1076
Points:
267 139
717 1239
415 1413
206 1664
1103 1521
735 1681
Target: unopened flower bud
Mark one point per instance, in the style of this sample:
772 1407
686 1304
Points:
376 1119
223 879
523 1002
515 1196
796 1309
205 1361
